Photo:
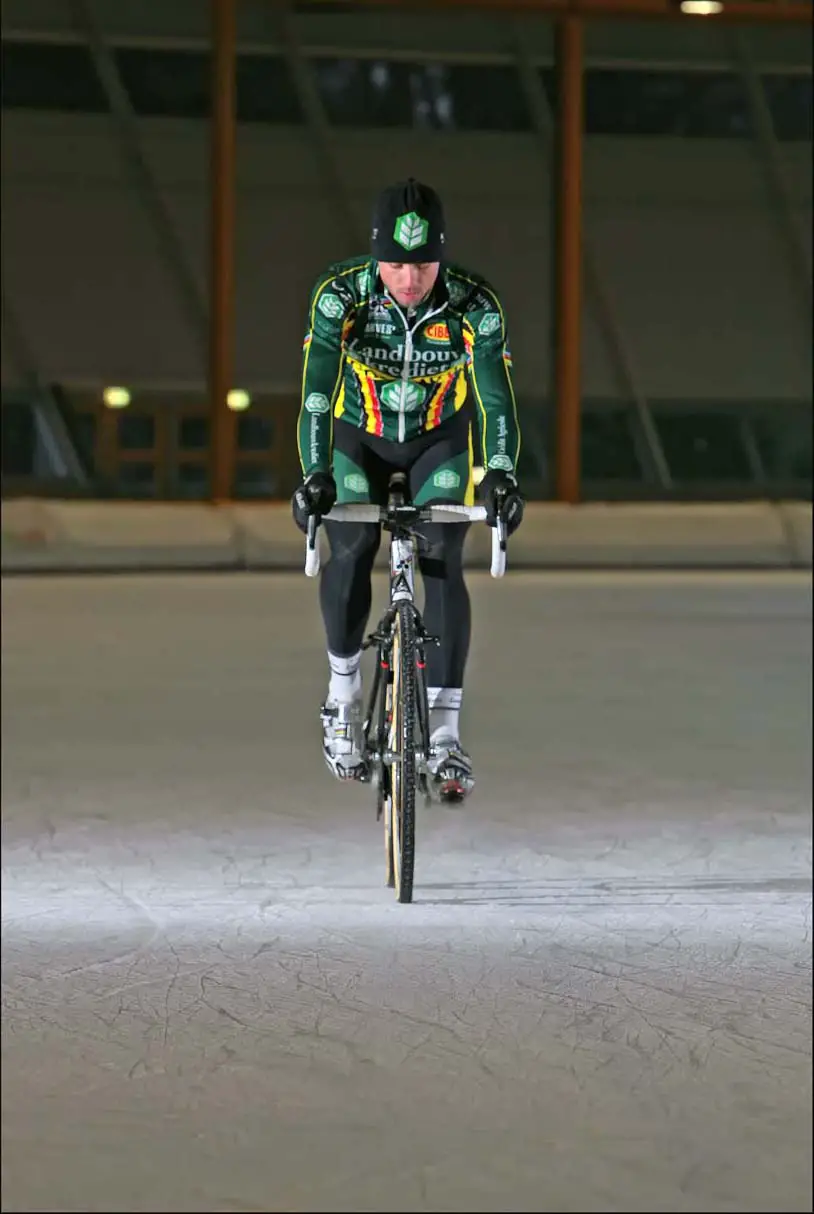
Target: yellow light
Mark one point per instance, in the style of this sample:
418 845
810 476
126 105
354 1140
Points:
116 398
238 400
478 474
701 8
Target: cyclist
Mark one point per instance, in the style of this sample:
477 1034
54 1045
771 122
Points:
397 341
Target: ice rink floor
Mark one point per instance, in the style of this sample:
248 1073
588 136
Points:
600 999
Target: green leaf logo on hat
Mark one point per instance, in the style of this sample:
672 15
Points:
411 231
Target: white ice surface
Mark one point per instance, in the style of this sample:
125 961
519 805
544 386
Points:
600 999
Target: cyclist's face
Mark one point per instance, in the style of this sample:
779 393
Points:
409 283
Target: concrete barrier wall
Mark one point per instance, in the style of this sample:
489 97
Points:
44 535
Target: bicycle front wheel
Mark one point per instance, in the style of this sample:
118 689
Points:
403 720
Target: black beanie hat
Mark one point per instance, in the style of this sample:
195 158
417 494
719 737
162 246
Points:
408 224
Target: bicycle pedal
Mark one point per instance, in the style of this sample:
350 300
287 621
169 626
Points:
452 793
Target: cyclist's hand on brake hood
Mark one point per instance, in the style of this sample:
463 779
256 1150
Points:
316 495
499 489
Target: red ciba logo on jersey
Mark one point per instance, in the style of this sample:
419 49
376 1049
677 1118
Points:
437 332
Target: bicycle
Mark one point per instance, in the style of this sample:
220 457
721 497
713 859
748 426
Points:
396 725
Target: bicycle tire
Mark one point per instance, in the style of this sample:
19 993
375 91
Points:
402 746
384 791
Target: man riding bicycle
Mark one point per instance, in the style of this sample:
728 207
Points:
397 341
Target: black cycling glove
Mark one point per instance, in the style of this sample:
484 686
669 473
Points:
499 490
316 495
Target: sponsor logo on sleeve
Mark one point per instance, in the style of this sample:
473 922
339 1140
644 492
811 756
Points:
457 291
489 324
317 402
331 306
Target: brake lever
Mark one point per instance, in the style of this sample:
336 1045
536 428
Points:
502 533
313 525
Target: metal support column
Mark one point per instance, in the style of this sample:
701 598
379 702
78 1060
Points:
52 433
17 344
651 452
222 305
570 35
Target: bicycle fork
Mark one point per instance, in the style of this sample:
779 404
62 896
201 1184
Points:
379 703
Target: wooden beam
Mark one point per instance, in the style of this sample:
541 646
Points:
222 285
568 328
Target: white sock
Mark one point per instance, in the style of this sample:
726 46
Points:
445 711
346 678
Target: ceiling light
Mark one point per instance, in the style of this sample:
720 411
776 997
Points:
701 8
238 400
116 398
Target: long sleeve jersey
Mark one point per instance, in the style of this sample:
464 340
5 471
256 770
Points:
398 373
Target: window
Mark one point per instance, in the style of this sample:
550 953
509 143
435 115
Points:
784 440
177 84
38 76
137 480
701 446
254 480
192 481
433 96
18 438
608 451
85 427
265 91
136 431
690 104
161 83
360 92
395 94
166 83
790 102
254 432
487 98
193 433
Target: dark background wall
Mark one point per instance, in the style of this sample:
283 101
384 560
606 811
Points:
689 240
698 210
692 252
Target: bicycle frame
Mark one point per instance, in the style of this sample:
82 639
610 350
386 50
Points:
394 772
401 520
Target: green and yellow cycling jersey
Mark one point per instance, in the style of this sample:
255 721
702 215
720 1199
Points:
397 372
